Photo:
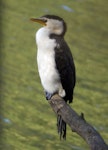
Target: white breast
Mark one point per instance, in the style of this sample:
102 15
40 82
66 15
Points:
46 62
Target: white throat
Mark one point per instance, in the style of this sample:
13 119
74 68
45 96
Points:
42 37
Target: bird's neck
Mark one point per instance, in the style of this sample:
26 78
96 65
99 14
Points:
46 32
43 38
43 33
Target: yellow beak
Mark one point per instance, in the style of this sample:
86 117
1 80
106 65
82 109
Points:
39 21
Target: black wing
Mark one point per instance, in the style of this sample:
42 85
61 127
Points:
66 68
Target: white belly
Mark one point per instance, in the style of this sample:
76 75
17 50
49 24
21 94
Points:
47 70
49 75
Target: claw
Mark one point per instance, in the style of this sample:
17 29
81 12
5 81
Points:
48 95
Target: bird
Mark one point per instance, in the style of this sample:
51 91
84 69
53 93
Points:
55 62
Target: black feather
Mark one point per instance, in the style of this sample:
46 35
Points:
65 66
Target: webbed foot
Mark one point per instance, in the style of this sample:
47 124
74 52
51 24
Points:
48 95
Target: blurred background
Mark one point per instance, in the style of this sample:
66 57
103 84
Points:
26 119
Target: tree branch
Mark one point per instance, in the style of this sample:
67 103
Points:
77 123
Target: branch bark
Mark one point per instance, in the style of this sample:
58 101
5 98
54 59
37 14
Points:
77 123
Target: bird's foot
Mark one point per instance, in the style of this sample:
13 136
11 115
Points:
48 95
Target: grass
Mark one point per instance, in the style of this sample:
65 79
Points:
27 121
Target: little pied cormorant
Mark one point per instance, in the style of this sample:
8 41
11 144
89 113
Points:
55 62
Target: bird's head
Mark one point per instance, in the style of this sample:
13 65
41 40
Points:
55 24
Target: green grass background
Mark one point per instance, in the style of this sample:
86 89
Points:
27 120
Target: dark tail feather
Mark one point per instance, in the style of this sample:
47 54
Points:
61 125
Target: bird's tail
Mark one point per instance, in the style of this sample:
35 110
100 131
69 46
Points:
61 125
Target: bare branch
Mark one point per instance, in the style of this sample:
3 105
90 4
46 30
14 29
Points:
77 123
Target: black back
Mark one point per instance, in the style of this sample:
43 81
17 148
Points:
65 66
